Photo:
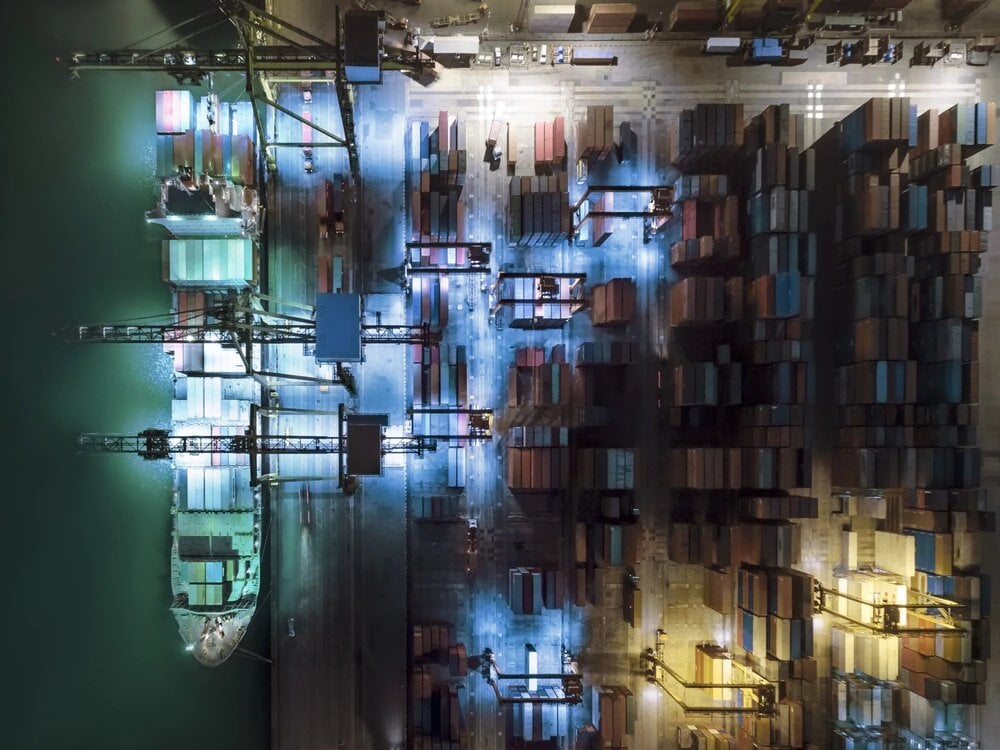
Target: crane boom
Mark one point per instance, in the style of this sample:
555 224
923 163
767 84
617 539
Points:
154 443
225 331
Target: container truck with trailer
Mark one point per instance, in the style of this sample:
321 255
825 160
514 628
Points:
723 45
584 56
492 139
336 192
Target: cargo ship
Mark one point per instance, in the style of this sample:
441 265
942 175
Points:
214 558
209 207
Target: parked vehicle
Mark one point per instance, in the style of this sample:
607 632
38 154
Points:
497 58
543 55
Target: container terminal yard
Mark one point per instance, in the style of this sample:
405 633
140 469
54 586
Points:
592 376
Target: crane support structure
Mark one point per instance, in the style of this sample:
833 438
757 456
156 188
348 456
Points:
569 691
156 444
888 616
267 45
759 693
222 333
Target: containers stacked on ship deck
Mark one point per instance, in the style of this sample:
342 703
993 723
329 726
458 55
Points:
912 221
226 150
539 210
438 161
201 358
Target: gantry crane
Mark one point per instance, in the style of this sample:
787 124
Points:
888 617
658 207
156 444
153 444
569 691
238 319
268 47
480 421
759 693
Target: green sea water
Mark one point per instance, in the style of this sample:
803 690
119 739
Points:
92 658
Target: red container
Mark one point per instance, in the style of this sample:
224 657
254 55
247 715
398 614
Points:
443 132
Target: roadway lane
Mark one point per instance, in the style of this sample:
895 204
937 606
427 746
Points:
313 682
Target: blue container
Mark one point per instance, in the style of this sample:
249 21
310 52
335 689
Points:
924 543
796 639
793 292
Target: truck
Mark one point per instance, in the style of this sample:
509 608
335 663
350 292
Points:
723 45
583 56
323 203
494 134
307 152
441 22
472 546
337 204
773 51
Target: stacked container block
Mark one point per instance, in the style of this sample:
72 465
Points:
912 219
438 161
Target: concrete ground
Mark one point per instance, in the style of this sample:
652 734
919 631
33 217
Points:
340 681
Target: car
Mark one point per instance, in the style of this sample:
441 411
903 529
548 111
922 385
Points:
543 56
291 627
534 53
497 57
560 56
307 95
